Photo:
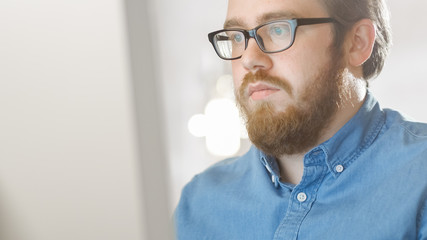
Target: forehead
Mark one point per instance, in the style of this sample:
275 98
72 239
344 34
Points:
250 13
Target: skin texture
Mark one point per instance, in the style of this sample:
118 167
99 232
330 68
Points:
307 62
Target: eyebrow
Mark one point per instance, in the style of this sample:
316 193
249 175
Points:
237 22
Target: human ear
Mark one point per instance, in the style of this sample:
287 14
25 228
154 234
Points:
360 42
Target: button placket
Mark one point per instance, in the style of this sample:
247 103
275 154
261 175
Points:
301 201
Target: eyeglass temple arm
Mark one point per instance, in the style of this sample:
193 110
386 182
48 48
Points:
310 21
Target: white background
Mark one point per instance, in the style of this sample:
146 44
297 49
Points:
71 163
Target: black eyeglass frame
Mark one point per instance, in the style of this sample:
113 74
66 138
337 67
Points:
294 23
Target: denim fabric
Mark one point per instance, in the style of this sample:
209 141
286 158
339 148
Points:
369 181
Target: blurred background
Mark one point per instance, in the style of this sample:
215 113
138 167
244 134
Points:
107 109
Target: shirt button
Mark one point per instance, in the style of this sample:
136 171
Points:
301 197
339 168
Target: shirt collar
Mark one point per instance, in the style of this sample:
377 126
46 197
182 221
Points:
347 144
354 137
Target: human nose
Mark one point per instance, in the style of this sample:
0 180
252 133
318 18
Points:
254 59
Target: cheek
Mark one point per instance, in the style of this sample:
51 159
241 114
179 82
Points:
238 74
301 66
292 67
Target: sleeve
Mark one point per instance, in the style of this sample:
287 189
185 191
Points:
422 222
183 213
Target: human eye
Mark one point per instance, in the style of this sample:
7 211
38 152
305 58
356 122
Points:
236 37
279 30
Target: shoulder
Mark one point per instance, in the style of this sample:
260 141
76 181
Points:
408 126
213 185
225 171
405 139
222 178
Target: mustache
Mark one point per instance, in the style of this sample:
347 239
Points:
262 76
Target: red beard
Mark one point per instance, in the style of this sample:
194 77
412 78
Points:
299 126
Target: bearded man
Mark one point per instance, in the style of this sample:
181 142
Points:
327 162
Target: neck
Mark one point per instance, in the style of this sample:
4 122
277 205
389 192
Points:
351 103
292 166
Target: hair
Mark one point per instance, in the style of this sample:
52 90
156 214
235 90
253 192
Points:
347 13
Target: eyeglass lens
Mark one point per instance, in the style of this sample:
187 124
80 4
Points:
272 37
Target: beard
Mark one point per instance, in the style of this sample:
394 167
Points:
300 125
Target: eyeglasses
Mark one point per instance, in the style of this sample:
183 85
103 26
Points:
271 37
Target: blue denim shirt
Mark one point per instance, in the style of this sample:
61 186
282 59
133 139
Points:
369 181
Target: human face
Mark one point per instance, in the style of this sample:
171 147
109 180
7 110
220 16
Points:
297 66
287 97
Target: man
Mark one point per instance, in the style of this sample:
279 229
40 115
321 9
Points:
327 161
